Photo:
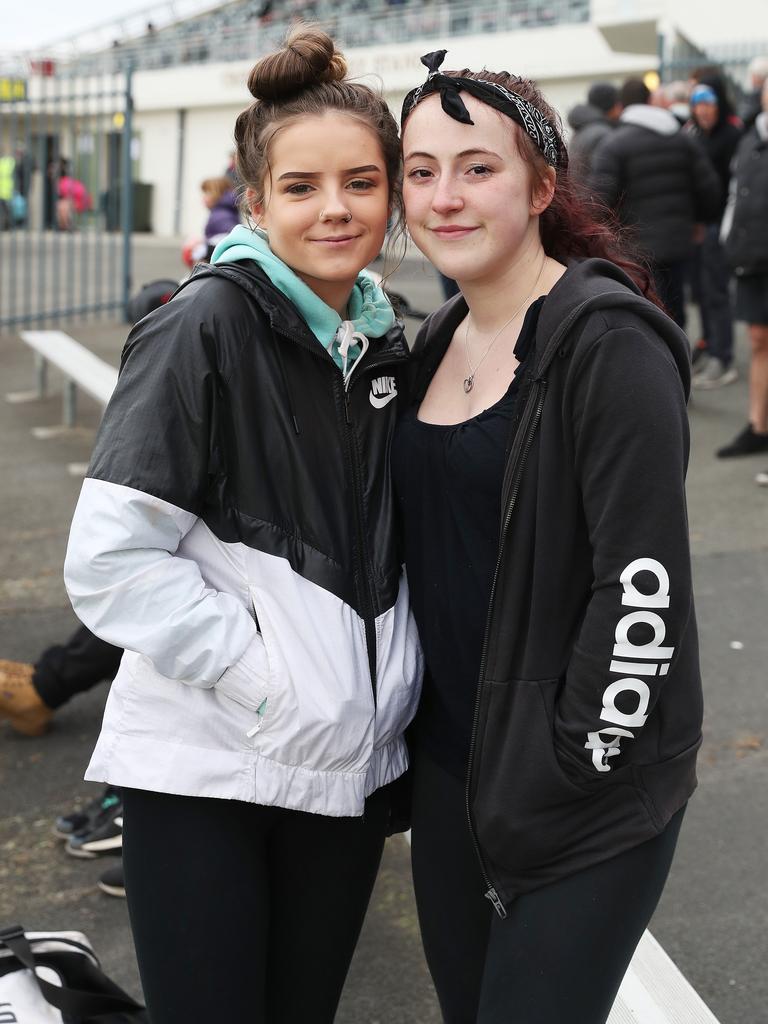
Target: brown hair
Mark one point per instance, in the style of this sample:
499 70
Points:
308 77
575 224
216 187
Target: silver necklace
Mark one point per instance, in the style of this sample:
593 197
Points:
469 382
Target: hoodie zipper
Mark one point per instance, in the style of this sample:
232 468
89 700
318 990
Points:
536 404
363 568
363 572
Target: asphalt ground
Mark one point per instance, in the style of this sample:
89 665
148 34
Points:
712 917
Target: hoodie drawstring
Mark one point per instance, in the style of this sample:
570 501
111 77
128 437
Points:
346 336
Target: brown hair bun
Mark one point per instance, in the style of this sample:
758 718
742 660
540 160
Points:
309 57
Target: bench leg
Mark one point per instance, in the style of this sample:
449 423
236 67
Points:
41 384
41 375
69 406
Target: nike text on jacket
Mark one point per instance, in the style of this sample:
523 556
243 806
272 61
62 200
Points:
235 534
588 712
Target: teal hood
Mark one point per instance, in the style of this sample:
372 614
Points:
370 311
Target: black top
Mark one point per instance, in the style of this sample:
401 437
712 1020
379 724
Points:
448 487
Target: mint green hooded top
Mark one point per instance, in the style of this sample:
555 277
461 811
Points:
370 311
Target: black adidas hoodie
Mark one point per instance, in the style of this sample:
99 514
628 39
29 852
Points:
589 708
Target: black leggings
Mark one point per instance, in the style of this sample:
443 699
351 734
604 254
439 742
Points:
561 953
242 913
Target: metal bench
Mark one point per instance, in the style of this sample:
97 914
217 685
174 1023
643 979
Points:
80 368
654 991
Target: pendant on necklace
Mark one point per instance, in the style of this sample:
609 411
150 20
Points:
468 384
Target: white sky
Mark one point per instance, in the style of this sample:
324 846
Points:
31 24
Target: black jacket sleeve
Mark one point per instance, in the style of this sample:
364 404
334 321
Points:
630 433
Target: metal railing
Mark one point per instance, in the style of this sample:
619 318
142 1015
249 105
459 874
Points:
65 215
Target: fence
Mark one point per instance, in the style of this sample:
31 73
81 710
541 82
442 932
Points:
679 60
65 215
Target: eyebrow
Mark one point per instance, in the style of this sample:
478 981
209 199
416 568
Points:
463 153
367 169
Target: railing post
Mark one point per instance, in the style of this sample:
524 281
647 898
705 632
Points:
69 409
126 195
41 375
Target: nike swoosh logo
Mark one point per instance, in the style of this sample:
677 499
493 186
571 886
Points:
379 403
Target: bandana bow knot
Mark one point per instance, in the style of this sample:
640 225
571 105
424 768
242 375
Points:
522 111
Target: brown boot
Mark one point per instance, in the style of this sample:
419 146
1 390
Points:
20 702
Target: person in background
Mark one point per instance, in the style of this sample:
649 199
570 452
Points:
219 197
660 184
30 694
676 96
591 123
719 138
752 105
539 467
745 237
73 199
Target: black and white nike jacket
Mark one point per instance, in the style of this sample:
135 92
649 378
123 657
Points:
589 707
235 534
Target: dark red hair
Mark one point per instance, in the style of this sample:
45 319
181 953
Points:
575 224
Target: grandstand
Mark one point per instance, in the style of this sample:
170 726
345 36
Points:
245 29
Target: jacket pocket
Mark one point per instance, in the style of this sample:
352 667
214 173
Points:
529 814
249 681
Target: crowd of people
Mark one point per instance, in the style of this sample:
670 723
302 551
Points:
687 174
344 587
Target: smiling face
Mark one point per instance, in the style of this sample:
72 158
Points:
326 201
472 203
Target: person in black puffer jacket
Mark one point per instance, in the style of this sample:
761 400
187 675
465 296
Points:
745 235
719 137
591 122
661 183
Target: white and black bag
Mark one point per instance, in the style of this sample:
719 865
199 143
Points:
55 978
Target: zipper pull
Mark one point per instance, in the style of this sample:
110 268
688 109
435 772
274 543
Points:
347 417
498 906
259 719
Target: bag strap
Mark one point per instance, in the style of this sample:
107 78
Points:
77 1002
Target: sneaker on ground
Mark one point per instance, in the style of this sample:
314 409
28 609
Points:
714 374
748 442
83 819
762 479
20 703
112 881
106 835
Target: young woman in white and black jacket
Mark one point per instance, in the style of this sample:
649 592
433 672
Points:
540 476
235 535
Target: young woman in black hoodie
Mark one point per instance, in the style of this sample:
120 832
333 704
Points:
540 477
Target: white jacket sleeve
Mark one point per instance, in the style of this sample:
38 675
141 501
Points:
128 585
145 491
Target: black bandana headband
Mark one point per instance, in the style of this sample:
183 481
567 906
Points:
531 120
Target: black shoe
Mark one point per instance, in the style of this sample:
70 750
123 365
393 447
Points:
748 442
78 821
112 882
106 835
